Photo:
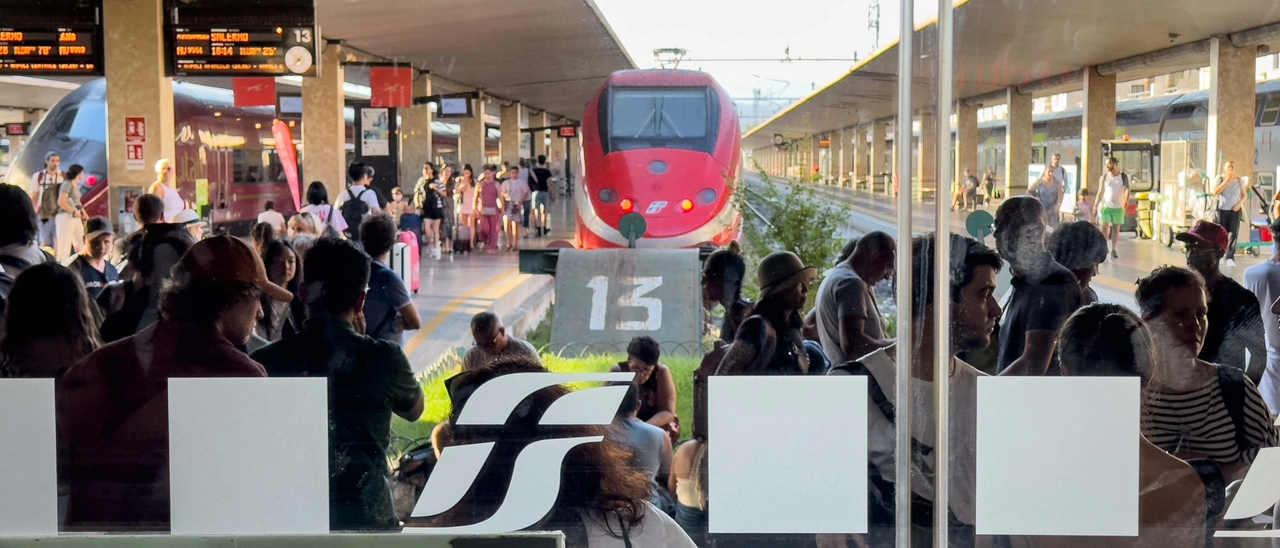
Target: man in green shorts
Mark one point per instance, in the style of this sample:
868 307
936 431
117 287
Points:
1111 201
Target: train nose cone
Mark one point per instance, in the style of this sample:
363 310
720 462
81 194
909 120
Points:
657 167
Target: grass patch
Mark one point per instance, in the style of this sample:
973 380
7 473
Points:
437 407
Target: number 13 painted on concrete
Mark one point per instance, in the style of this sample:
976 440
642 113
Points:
599 286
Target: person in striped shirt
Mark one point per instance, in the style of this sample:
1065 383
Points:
1194 408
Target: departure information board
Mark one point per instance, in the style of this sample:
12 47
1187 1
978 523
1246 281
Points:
38 41
243 51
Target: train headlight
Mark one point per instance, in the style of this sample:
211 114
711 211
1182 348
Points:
706 196
626 205
686 205
607 196
657 167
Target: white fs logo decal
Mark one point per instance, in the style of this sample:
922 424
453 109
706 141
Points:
535 480
655 208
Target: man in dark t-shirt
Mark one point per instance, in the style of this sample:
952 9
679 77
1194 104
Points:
1044 292
541 195
1235 315
91 264
369 380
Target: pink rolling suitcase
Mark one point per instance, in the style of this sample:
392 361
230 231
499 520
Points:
413 276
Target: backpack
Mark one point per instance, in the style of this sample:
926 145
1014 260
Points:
1231 382
353 212
328 231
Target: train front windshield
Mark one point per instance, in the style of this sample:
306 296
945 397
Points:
661 118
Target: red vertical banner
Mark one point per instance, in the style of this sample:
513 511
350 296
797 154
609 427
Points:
288 160
254 92
392 87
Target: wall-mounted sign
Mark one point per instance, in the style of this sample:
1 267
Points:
17 130
458 106
41 40
207 38
568 132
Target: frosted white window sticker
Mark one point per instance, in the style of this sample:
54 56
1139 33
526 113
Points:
28 458
790 454
249 456
1058 456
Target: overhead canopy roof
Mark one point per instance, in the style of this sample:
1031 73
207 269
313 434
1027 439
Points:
20 92
1002 43
550 55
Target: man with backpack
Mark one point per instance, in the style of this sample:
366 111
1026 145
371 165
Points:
973 315
369 381
45 187
358 200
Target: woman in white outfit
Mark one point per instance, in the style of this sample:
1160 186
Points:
69 223
166 188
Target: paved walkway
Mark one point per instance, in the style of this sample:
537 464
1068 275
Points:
455 288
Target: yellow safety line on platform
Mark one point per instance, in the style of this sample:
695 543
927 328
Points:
448 310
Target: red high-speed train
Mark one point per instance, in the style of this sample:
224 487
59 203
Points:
233 148
664 144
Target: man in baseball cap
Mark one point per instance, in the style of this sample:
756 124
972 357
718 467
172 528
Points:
92 264
112 407
1235 316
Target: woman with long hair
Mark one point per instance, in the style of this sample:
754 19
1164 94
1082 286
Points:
1187 409
466 193
69 223
722 278
429 203
49 323
166 188
1231 193
283 269
318 205
448 217
604 495
1109 340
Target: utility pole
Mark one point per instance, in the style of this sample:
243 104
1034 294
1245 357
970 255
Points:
873 24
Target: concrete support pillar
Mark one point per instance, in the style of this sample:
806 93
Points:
471 136
415 136
879 149
928 153
540 137
1017 140
1099 122
575 162
137 88
966 140
861 156
839 146
558 153
324 131
1229 131
511 136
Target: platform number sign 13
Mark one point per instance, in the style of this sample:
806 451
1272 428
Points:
604 298
639 286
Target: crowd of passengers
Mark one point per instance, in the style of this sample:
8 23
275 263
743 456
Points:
194 306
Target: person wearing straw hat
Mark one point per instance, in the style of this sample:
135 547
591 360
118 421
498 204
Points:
91 263
769 342
192 222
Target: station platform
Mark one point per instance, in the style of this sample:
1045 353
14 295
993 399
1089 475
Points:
457 287
1116 277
